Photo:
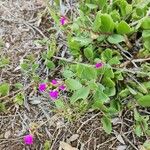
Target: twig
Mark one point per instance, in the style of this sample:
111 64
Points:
56 138
120 69
124 52
128 43
138 83
122 49
34 27
12 139
134 60
141 60
9 116
87 122
131 71
52 119
71 61
106 142
129 142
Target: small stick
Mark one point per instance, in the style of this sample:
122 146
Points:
106 142
87 122
141 60
129 142
124 51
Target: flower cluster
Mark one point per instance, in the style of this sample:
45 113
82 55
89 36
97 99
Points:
99 65
63 20
28 139
53 93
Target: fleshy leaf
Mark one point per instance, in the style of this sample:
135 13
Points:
115 39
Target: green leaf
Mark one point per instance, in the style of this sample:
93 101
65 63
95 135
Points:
115 15
107 23
144 101
108 82
81 93
91 6
147 145
68 74
101 96
114 61
132 91
146 34
98 105
88 52
18 85
25 66
97 22
35 67
101 38
4 89
83 40
19 99
138 130
146 85
49 64
4 62
50 53
137 116
118 75
123 28
102 3
109 72
110 91
73 84
124 7
116 105
147 44
86 72
47 145
128 9
2 107
146 23
107 126
106 55
92 85
74 46
59 104
115 39
124 93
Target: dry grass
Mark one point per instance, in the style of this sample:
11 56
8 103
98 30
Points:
19 27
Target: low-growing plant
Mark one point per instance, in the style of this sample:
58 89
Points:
104 70
29 67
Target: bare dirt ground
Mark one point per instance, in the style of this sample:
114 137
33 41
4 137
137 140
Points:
19 28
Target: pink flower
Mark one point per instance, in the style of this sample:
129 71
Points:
42 87
63 20
28 139
99 65
54 82
53 94
62 87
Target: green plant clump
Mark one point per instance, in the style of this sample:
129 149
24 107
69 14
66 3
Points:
110 70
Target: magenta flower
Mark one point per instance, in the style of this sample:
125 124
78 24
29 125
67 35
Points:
63 20
28 139
53 94
99 65
42 87
62 87
54 82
